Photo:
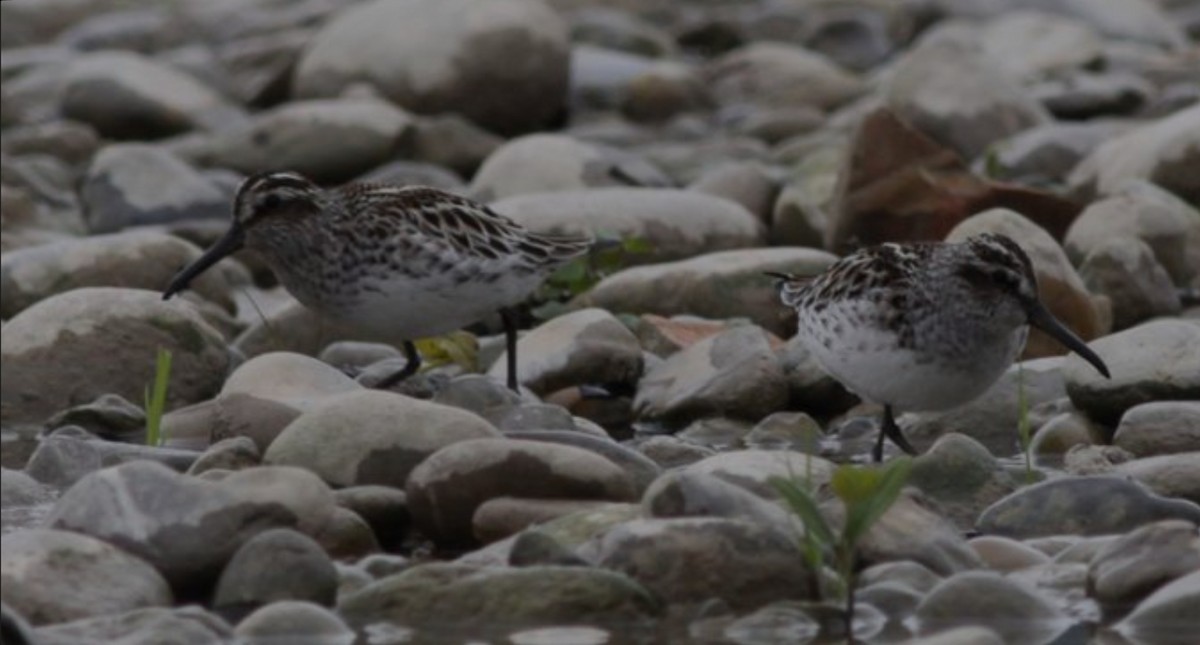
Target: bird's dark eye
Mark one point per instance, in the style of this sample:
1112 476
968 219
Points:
271 201
1004 278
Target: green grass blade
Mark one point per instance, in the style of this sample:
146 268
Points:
861 516
803 505
156 398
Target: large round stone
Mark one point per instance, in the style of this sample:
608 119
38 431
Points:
279 564
55 576
501 64
447 488
1018 614
372 437
71 348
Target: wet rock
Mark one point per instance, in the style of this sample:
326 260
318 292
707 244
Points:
1160 151
1086 95
75 346
977 598
446 489
287 620
1135 564
68 454
782 75
55 576
734 373
543 163
671 452
719 433
383 451
186 528
689 494
906 572
962 476
190 625
125 95
279 564
440 57
136 184
1167 613
1126 271
1088 505
589 346
673 223
1168 475
1062 433
535 547
141 260
329 140
719 285
745 564
1160 428
445 593
1060 288
1157 360
910 530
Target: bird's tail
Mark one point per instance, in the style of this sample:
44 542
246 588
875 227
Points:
789 286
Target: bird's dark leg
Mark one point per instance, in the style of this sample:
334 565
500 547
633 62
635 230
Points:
509 317
890 430
412 363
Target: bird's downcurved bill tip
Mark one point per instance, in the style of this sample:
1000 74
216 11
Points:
1041 318
228 244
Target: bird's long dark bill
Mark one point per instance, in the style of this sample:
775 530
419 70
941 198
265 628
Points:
1041 318
230 242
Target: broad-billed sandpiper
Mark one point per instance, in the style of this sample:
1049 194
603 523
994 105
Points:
923 326
395 262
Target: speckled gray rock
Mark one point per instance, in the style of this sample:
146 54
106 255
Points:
1160 428
55 576
962 476
721 285
449 593
75 346
445 490
434 56
1157 360
327 140
135 260
955 95
1088 505
753 469
135 184
745 564
279 564
674 223
1162 151
191 625
392 434
589 346
185 527
1016 613
125 95
1135 564
734 373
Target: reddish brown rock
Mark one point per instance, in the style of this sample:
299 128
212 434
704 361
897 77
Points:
897 184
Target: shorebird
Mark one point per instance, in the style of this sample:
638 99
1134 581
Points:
923 326
395 262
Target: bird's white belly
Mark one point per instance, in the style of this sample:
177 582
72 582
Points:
869 363
410 309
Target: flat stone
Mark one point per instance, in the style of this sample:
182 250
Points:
1166 613
1133 565
1160 428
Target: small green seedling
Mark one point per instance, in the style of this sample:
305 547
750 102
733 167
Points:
867 493
156 397
607 256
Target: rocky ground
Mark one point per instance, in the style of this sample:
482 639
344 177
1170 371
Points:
624 496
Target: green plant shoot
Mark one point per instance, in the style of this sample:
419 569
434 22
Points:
156 397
